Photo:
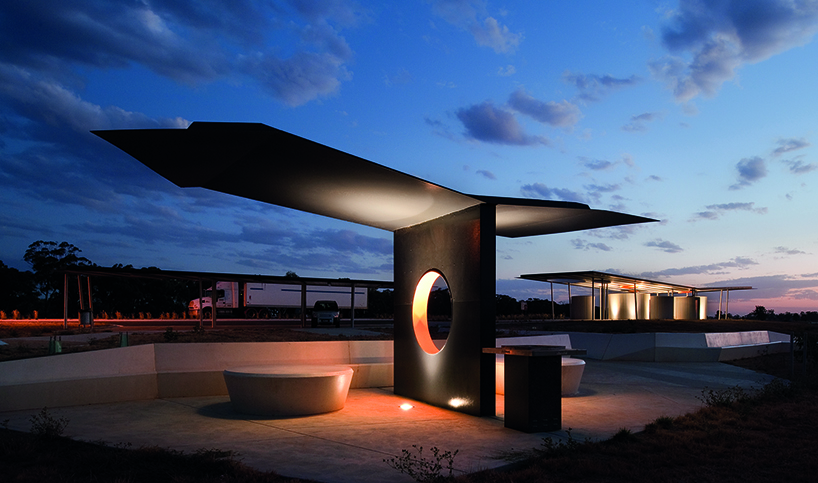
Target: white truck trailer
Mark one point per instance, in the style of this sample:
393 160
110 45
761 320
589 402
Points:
261 300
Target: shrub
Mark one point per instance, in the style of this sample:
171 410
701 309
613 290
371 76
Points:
557 448
170 335
47 426
777 389
723 397
624 434
662 422
421 469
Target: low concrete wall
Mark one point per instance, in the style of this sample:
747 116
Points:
104 376
550 339
173 370
184 370
196 369
679 347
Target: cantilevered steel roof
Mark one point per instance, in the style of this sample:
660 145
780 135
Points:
266 164
621 283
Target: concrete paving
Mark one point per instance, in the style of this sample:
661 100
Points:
351 444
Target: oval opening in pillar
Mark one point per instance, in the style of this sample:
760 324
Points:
432 312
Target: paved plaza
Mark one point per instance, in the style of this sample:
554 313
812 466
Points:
351 444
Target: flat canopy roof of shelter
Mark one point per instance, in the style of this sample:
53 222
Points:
262 163
622 283
208 277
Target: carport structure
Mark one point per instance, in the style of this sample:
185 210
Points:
86 299
603 283
437 232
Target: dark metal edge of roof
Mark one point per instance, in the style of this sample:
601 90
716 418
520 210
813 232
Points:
560 277
504 200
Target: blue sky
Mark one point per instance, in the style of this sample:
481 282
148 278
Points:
702 114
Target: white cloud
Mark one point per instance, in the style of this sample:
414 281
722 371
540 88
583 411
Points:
593 88
561 114
664 245
710 40
750 170
580 244
711 269
472 16
791 144
506 71
486 174
485 122
715 211
186 43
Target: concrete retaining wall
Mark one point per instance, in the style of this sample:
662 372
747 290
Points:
674 347
173 370
183 370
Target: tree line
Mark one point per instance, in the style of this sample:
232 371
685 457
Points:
38 293
763 313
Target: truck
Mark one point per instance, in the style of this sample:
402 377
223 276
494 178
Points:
263 300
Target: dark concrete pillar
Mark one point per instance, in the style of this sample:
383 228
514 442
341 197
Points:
461 246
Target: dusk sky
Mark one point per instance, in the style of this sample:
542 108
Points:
702 114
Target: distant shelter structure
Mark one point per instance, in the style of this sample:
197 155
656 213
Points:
624 297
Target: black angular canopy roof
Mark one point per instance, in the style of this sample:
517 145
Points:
622 283
262 163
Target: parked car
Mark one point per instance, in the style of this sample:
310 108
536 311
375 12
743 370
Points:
326 311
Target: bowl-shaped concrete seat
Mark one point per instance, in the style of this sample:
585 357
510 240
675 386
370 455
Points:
572 370
288 390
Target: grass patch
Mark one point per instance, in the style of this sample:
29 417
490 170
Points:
757 436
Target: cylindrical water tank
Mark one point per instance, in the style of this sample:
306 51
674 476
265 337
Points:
621 306
702 307
685 308
661 307
582 307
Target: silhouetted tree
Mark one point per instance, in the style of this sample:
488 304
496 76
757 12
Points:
146 294
380 303
440 304
17 291
47 259
507 305
760 313
542 307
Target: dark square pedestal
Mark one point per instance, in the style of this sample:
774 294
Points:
533 386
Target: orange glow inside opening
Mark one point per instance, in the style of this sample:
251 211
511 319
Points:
420 304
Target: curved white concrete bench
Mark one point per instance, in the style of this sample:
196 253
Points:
572 370
288 390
